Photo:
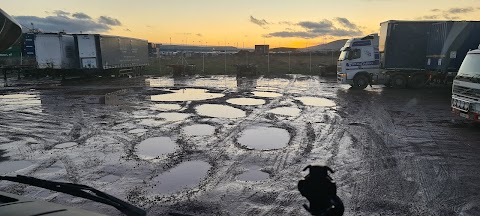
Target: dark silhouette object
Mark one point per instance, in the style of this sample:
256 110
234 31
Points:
320 190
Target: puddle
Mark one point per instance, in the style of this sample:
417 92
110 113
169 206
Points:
17 101
199 130
220 111
12 166
246 101
166 107
266 88
156 146
173 117
315 101
184 176
264 138
66 145
138 131
57 166
253 174
266 94
286 111
187 94
109 178
151 122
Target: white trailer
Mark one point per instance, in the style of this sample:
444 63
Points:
55 51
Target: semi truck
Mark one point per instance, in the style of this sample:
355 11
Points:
466 88
407 53
111 53
55 51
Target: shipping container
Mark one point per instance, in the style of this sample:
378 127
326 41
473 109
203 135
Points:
403 44
448 44
55 51
110 52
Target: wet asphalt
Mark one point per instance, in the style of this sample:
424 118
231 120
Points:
226 146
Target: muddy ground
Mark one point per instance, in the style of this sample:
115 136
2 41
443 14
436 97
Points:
222 146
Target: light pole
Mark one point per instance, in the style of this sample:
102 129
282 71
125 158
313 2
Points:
289 65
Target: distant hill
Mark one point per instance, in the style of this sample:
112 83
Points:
334 45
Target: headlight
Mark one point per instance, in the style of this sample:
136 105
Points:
462 105
476 107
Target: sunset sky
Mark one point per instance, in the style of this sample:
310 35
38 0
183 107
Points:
212 22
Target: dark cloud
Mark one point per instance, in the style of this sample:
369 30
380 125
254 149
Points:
260 22
286 23
199 35
109 21
81 16
460 10
337 27
346 23
435 10
60 13
128 30
63 21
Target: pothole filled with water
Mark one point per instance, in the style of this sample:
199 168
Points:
315 101
246 101
188 94
138 131
253 173
12 166
264 138
220 111
266 88
286 111
172 116
266 94
166 107
155 147
184 176
66 145
199 130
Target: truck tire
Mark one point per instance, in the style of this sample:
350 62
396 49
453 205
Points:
417 81
360 82
399 81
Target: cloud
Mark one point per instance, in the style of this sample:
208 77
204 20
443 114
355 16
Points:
346 23
451 13
109 21
460 10
81 16
128 30
199 35
65 21
260 22
337 27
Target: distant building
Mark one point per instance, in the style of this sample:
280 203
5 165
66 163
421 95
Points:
153 50
262 49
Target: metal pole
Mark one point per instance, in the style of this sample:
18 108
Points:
203 61
310 61
225 57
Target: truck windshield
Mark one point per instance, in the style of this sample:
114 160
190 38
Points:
470 66
343 55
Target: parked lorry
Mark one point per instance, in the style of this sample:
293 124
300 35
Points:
407 54
111 53
55 51
466 87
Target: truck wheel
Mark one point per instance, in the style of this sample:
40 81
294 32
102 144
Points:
417 81
360 82
399 81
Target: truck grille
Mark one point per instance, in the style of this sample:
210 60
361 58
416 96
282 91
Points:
466 92
460 104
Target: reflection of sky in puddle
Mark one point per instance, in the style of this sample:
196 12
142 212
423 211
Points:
109 178
266 94
12 166
65 145
156 146
246 101
199 130
314 101
18 101
265 88
264 138
184 176
138 131
253 174
187 94
220 111
287 111
166 107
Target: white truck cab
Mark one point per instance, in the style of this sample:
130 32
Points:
466 88
359 56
